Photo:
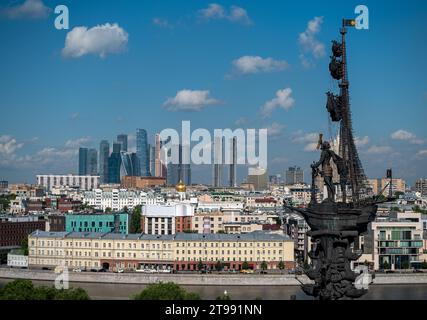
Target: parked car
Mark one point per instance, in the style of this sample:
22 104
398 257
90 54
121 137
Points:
102 270
77 270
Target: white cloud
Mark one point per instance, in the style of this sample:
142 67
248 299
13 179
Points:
238 14
257 64
8 145
282 100
99 40
275 129
279 160
305 137
309 44
404 135
74 115
309 139
379 149
162 23
422 153
311 147
362 141
190 100
76 143
29 9
241 121
215 11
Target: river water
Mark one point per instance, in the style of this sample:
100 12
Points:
102 291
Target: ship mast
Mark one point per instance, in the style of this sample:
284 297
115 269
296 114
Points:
347 146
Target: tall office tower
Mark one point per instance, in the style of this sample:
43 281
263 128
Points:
126 165
115 164
233 163
179 171
117 147
135 165
104 153
142 152
92 162
152 157
185 174
129 164
421 186
157 159
259 178
217 166
83 161
123 140
294 175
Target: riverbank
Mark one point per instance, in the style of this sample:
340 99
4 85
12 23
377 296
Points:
195 279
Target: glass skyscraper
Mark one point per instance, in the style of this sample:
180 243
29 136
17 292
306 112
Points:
179 171
82 161
104 153
142 152
115 164
123 140
92 162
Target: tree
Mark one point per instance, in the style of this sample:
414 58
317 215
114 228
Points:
108 209
135 224
219 266
25 290
405 265
264 266
200 265
24 246
281 265
224 296
166 291
245 265
424 265
397 194
386 265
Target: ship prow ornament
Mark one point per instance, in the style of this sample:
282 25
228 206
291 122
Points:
337 222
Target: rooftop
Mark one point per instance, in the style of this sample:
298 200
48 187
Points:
253 236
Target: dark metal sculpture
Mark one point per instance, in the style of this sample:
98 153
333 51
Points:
335 225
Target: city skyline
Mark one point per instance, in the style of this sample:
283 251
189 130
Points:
223 71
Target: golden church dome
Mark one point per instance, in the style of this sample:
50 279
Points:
180 187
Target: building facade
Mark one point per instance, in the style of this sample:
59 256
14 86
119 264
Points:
104 153
81 182
142 152
13 230
182 251
105 222
421 186
134 182
164 219
116 199
397 240
294 175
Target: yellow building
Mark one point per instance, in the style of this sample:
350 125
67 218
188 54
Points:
182 251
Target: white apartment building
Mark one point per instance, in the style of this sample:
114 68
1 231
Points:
82 182
397 240
165 219
118 199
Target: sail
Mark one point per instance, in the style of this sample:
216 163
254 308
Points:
333 105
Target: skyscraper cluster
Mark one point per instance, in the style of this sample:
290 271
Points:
219 160
149 160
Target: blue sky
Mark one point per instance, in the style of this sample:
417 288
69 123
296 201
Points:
56 95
